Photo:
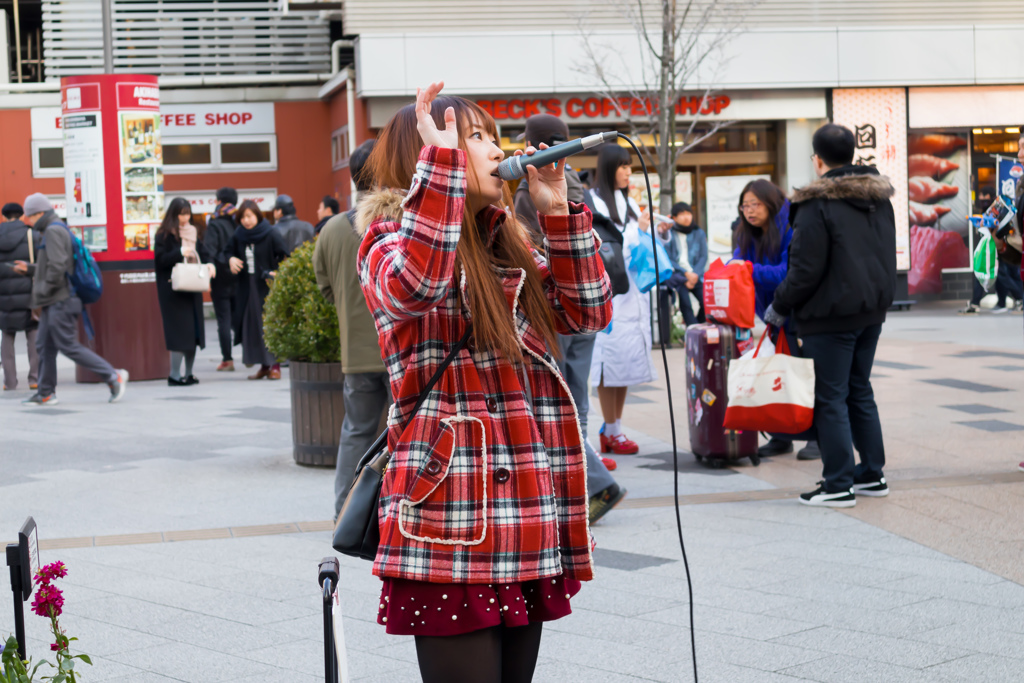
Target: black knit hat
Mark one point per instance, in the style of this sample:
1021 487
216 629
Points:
546 128
12 210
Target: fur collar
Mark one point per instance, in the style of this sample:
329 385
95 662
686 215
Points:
867 188
384 203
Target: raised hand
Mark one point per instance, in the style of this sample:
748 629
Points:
645 220
547 185
449 137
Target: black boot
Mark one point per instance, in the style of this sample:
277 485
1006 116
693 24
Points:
809 452
775 446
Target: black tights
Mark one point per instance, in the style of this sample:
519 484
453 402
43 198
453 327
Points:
491 655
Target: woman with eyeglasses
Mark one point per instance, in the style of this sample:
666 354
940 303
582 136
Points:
763 238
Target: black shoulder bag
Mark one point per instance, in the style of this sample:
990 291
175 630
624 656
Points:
357 532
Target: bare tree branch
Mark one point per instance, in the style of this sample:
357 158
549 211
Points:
694 38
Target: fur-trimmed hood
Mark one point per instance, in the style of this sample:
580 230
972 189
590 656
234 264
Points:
853 186
385 203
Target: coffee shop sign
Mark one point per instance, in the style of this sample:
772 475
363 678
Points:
600 107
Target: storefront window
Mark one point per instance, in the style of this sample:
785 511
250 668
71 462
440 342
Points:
187 154
47 159
245 153
987 144
51 157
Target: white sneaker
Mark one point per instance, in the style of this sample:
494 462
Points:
118 387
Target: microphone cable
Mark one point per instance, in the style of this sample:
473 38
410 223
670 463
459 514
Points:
671 411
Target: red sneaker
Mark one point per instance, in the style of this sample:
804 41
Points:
609 464
619 445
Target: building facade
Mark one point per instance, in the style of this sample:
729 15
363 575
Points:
269 96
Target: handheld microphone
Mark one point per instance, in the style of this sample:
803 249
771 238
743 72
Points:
515 166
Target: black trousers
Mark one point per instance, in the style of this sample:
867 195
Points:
845 412
222 307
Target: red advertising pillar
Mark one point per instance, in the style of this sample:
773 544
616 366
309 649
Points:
113 175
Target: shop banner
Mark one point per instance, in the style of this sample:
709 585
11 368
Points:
234 118
205 201
878 119
722 194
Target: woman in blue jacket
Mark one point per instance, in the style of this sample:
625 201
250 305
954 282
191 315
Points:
762 237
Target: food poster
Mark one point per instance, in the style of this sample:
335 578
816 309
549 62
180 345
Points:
142 178
722 194
95 238
938 170
136 236
638 189
84 183
878 119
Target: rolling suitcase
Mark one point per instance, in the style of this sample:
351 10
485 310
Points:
709 349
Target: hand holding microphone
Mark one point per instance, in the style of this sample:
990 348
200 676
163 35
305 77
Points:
547 183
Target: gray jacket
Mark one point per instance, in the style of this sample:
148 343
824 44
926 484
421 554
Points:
294 232
56 262
526 211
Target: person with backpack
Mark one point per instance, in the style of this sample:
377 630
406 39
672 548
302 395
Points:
64 271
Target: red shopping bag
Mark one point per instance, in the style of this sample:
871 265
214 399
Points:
729 296
771 393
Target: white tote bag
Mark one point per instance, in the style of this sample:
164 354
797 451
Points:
190 276
771 393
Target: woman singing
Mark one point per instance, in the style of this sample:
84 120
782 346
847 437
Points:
483 509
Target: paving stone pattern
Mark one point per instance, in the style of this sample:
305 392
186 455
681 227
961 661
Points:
781 592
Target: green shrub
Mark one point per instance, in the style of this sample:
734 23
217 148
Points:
298 322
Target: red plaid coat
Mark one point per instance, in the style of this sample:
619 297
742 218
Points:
487 482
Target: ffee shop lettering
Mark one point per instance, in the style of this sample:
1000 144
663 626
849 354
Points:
234 118
599 107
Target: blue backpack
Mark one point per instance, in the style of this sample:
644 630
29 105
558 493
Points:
86 280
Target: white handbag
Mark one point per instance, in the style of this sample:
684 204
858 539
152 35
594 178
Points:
190 276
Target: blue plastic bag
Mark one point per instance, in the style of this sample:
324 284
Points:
641 264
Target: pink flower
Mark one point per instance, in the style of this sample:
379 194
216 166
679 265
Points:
50 572
49 601
56 647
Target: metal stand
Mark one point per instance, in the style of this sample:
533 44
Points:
14 562
20 557
329 574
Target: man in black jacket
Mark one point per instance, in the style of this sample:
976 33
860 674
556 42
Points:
219 230
840 283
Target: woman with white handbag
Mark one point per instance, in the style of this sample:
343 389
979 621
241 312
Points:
183 272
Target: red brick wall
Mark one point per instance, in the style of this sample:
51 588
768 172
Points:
16 181
339 117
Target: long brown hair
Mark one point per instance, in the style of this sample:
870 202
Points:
169 224
392 164
767 241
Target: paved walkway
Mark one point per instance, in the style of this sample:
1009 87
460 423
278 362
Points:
192 539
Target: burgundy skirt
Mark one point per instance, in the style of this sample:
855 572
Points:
417 608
